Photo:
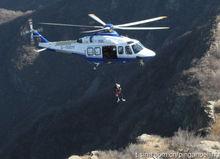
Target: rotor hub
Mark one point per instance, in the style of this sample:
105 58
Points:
110 26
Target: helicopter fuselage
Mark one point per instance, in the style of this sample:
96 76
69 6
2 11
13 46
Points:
103 47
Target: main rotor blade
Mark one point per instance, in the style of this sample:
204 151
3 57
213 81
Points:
71 25
142 28
93 16
142 21
94 31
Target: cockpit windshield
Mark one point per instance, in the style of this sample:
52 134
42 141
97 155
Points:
137 48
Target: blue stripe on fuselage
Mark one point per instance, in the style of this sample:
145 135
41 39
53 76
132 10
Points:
101 60
113 33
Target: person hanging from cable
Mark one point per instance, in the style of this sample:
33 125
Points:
118 93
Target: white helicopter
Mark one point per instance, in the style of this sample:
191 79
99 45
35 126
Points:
102 45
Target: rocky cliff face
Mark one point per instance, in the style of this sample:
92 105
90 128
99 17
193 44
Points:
54 105
25 5
8 15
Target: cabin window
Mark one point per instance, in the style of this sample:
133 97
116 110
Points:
120 50
90 51
79 40
97 51
128 50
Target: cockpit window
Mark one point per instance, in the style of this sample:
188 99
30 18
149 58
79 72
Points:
137 48
128 50
141 44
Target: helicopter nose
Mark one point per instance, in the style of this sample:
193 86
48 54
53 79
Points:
149 53
146 53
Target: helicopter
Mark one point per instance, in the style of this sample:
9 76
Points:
102 44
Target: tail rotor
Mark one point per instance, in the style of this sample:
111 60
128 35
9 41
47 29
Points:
31 31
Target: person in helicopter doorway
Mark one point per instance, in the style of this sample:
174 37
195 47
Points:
118 93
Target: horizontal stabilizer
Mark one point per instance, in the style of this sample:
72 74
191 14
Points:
40 50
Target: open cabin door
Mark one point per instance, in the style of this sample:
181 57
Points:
109 52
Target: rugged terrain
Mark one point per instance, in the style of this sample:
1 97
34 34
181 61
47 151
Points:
8 15
25 5
55 105
182 145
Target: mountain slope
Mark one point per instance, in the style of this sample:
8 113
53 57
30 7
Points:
53 108
8 15
24 4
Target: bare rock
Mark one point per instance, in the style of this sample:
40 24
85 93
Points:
209 146
74 157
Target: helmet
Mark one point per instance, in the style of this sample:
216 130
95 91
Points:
118 85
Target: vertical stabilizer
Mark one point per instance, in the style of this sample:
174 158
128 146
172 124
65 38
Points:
35 34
